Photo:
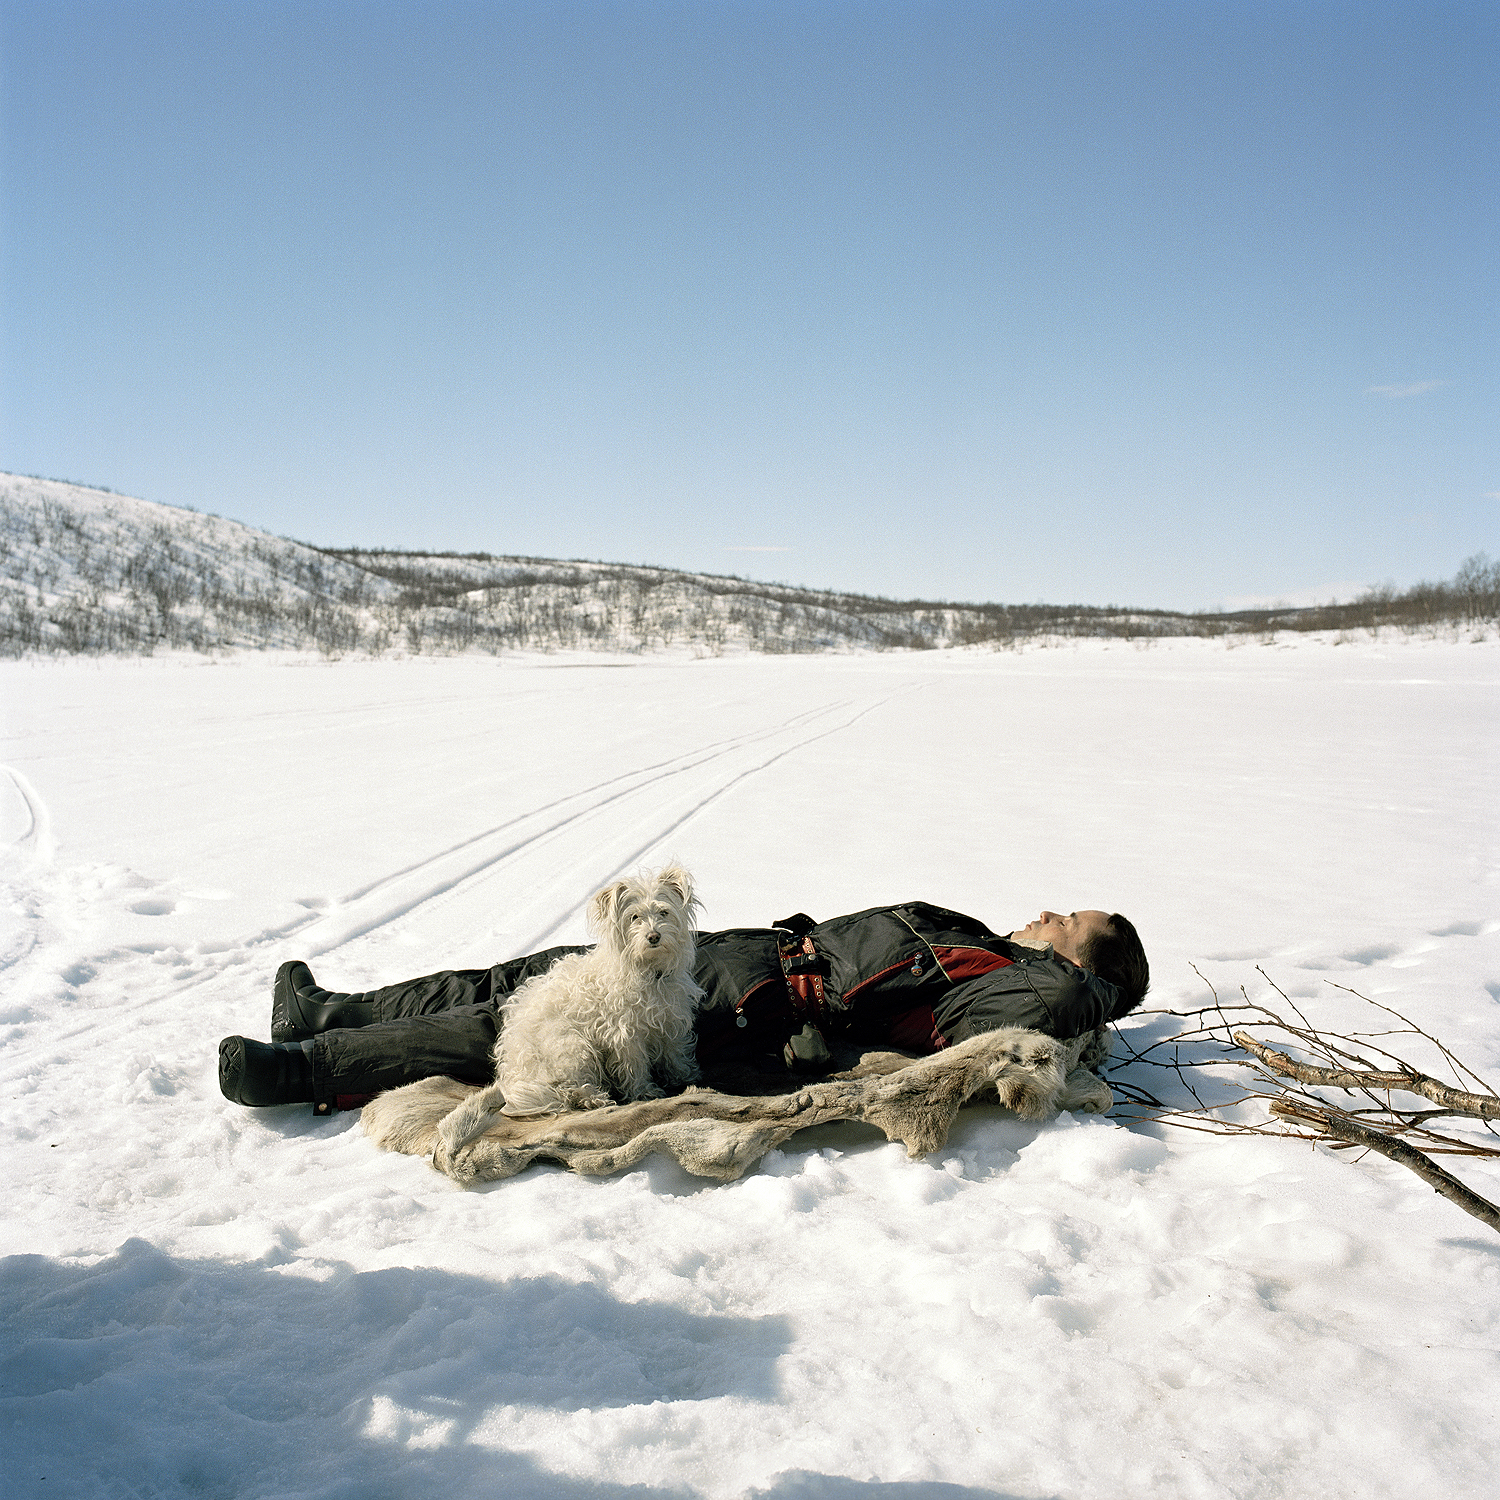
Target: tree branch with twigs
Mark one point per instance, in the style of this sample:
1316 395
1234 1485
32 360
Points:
1217 1042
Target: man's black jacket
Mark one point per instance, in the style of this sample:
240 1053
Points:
914 976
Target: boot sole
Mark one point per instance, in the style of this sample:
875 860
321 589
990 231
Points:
232 1068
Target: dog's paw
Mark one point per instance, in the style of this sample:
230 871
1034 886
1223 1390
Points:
585 1096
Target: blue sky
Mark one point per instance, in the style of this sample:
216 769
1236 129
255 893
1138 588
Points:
1170 304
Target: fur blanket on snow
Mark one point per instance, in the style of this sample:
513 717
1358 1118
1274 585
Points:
722 1131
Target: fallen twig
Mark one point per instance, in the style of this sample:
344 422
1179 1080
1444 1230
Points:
1336 1123
1217 1034
1454 1101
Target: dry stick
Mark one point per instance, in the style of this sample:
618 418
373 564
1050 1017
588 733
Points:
1338 1127
1280 992
1334 1123
1458 1067
1457 1100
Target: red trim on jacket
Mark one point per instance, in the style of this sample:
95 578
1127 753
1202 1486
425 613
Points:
755 989
917 1031
969 963
865 984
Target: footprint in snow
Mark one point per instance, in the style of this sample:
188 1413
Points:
1375 955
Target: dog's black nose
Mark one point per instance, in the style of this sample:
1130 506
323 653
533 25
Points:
653 938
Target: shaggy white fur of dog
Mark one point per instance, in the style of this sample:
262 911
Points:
617 1017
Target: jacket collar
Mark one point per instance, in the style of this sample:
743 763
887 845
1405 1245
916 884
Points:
1037 945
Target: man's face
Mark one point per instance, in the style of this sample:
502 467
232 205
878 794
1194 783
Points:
1067 932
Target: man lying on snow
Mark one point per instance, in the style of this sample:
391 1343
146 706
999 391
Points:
915 977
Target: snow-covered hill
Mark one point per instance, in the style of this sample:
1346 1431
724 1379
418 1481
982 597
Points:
88 571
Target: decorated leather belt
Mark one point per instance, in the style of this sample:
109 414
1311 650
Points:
805 973
806 1051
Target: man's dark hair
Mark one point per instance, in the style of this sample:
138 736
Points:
1116 954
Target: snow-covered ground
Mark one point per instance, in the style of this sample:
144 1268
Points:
204 1300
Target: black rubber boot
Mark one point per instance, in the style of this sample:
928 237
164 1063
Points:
256 1074
299 1009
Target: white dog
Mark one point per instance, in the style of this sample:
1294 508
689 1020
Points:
610 1017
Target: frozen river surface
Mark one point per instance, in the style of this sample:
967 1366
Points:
202 1300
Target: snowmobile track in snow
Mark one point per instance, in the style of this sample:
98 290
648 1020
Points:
577 856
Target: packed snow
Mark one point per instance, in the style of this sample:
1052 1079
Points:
202 1300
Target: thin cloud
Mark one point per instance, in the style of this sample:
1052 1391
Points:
1396 392
1492 494
757 549
1305 598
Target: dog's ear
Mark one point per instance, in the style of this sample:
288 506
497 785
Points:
602 905
677 880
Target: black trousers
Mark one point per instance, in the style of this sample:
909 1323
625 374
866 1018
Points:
445 1024
440 1024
